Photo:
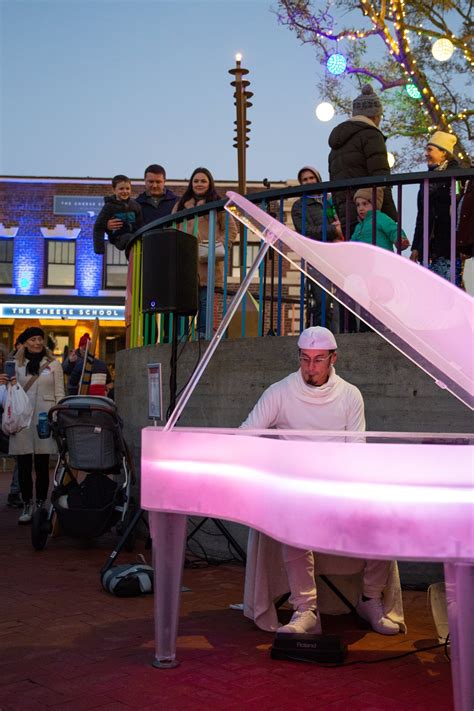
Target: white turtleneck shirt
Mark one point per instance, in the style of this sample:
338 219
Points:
292 404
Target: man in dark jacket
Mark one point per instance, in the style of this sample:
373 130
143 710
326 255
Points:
358 151
439 156
156 201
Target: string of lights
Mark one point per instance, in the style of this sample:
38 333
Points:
388 19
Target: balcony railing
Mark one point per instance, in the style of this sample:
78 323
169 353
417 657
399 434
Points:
278 301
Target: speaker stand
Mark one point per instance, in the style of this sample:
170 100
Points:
173 364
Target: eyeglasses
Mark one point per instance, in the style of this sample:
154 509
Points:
304 360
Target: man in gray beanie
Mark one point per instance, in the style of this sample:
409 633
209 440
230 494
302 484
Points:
358 151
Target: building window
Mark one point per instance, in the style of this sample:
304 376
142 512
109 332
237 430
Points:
6 262
116 267
61 263
252 251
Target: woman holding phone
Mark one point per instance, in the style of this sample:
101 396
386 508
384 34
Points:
7 368
35 364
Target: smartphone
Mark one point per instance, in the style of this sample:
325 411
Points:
10 369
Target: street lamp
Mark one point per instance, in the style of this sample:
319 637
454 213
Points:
242 103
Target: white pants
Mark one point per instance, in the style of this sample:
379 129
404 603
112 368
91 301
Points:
299 565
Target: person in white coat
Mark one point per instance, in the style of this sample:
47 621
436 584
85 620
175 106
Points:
36 364
315 398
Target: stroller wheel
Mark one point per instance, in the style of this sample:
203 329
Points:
40 529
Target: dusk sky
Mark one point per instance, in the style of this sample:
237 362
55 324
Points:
99 87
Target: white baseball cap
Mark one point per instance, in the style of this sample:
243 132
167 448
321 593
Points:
317 338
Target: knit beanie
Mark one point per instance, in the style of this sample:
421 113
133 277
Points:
444 141
84 339
315 172
366 193
29 333
367 103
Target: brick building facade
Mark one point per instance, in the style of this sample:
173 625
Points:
49 273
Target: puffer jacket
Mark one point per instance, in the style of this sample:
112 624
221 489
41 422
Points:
358 151
439 218
129 211
385 231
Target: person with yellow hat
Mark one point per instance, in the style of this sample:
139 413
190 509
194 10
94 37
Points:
439 154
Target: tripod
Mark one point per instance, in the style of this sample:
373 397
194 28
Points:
225 532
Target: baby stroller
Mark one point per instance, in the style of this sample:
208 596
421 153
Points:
93 475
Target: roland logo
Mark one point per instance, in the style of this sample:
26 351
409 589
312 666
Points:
307 645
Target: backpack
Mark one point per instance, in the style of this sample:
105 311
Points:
128 580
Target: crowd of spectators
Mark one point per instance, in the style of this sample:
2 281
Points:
357 150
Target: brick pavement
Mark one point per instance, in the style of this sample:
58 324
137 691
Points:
67 645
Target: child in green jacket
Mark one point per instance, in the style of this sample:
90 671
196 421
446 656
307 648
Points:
385 227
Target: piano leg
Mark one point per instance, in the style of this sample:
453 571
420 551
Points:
168 533
460 602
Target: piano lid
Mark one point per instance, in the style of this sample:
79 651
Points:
425 317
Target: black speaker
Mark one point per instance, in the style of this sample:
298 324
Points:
170 275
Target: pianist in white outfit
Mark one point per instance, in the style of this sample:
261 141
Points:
315 398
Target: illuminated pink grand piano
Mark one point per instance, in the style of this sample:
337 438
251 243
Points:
387 497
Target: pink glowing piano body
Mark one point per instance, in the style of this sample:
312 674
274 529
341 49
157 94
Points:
372 499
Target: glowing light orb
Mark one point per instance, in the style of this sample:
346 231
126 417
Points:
391 159
442 49
238 57
324 111
336 64
412 91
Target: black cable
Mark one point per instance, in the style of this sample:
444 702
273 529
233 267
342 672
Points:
446 645
366 661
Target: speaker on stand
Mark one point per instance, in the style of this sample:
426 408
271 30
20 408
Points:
170 286
170 283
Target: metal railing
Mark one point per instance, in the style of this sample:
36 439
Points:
277 302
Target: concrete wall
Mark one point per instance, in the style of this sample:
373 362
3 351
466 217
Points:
398 395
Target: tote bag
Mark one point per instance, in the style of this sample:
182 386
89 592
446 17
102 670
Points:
17 410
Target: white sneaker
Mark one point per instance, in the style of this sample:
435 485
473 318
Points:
372 611
306 622
27 514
